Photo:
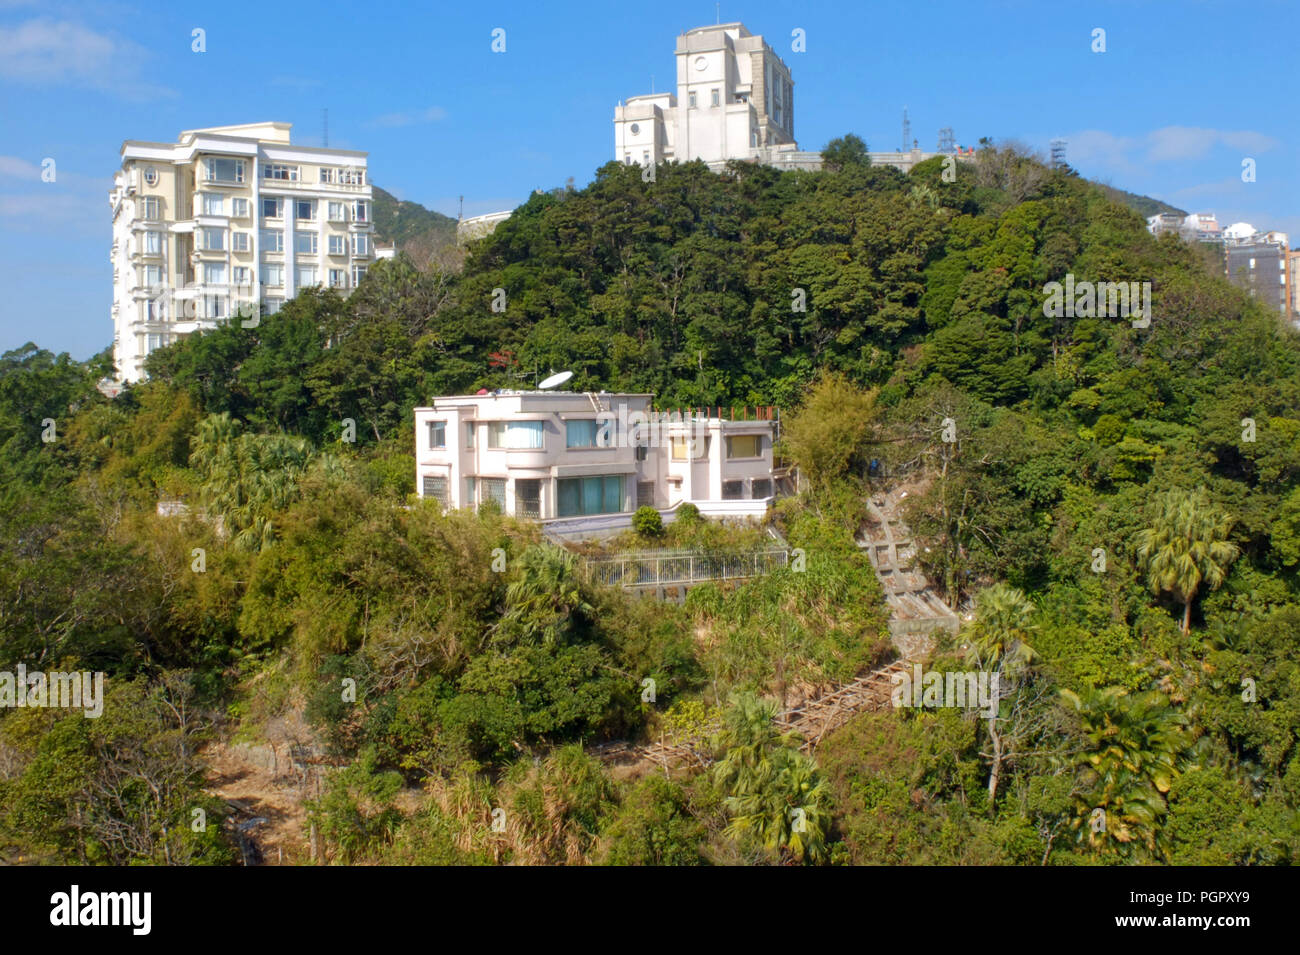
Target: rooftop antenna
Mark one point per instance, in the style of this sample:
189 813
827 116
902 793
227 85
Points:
718 9
326 124
652 82
946 140
907 131
554 381
1058 153
460 211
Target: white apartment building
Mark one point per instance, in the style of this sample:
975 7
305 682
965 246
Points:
227 221
734 100
567 456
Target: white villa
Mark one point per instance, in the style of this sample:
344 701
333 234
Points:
591 458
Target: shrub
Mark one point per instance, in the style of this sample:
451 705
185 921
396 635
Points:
648 523
688 513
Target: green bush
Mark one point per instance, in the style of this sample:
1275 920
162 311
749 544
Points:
648 523
688 513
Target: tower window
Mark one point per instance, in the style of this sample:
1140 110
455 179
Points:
715 98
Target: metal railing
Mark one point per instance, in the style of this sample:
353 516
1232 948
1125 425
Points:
636 569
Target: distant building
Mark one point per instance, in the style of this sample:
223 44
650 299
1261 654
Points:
1293 274
590 457
1260 263
476 227
734 99
1197 227
230 219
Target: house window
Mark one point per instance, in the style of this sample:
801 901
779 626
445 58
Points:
733 490
645 157
602 494
307 276
714 99
272 240
361 244
335 211
627 159
239 241
437 434
225 170
494 489
645 494
467 499
272 208
496 435
304 242
519 435
338 278
304 209
151 208
213 240
435 486
239 208
762 487
360 211
745 446
153 243
214 273
213 204
336 245
358 273
690 100
273 275
680 443
278 171
528 498
469 434
580 433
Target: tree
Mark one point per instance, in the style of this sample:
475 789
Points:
775 795
828 435
844 152
1186 547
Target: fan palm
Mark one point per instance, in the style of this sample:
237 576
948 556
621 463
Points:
1186 547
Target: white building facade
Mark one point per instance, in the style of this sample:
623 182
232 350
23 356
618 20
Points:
555 456
224 222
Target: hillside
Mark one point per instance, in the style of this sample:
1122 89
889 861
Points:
418 231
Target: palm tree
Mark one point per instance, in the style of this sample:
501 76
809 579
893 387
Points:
545 603
1186 547
774 792
1134 746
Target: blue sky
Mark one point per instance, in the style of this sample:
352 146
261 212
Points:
1184 92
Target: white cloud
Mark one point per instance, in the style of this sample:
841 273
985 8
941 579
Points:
1173 143
45 51
414 118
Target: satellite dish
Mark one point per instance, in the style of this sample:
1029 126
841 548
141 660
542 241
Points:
557 379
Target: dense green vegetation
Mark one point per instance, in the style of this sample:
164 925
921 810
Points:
1118 509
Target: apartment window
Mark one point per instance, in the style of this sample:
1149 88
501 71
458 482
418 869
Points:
496 435
690 100
150 176
519 435
212 240
745 446
528 498
225 170
153 243
152 341
338 278
645 493
645 157
151 208
304 243
273 207
494 489
435 486
733 490
335 210
352 177
361 244
580 433
627 159
214 273
327 174
753 137
213 204
239 208
214 306
437 434
360 211
336 245
304 209
273 275
279 171
602 494
358 273
469 434
681 443
762 487
239 241
714 98
272 240
307 276
151 276
274 305
467 498
241 277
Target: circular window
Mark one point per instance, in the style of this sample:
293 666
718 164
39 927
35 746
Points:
635 129
701 62
151 175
